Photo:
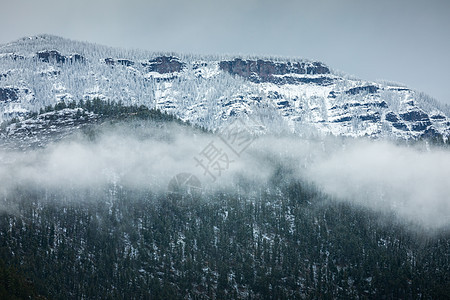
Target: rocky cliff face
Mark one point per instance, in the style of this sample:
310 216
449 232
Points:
54 56
295 95
8 94
164 64
266 71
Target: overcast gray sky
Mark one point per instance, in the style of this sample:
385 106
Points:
406 41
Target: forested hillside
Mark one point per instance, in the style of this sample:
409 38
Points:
277 237
281 240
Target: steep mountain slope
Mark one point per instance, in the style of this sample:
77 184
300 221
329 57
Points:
294 95
92 204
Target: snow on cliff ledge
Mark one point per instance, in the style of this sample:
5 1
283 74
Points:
290 94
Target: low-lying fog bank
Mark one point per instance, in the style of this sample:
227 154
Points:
413 182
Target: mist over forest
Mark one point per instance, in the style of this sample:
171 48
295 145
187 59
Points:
409 181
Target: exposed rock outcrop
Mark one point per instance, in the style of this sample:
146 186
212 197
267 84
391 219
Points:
371 89
164 65
51 56
9 94
124 62
267 71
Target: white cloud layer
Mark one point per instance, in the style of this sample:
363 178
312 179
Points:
411 182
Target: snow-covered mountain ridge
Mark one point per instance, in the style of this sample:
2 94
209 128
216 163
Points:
284 94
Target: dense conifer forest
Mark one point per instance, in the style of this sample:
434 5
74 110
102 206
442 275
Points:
278 239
